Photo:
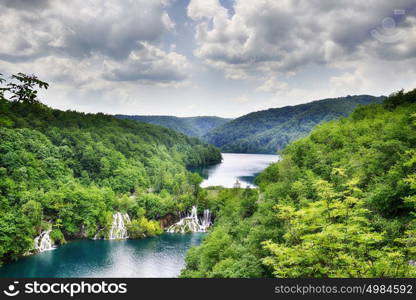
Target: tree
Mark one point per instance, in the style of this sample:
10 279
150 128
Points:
25 89
2 80
33 211
70 170
340 203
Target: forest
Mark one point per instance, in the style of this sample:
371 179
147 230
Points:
269 131
191 126
340 203
70 171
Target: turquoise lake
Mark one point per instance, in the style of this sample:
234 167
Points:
161 256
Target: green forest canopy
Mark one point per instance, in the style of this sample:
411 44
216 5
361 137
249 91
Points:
71 171
269 131
340 203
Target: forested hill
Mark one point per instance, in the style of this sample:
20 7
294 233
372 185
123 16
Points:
340 203
191 126
130 138
69 172
271 130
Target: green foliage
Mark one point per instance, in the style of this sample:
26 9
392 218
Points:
33 211
400 98
25 88
340 203
72 171
142 227
331 237
16 234
57 236
221 255
271 130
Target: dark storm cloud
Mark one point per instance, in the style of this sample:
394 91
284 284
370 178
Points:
137 73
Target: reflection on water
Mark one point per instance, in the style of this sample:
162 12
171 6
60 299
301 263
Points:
244 167
161 256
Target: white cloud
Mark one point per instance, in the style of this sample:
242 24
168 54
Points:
81 40
266 39
82 28
149 64
200 9
241 99
125 56
273 85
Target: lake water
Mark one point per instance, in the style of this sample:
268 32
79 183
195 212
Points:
244 167
161 256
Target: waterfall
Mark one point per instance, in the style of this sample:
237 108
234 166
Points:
191 223
96 236
43 242
118 229
194 214
206 220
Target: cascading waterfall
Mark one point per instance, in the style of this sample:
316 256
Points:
194 215
43 242
206 220
118 229
191 222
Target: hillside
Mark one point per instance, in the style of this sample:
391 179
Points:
191 126
70 172
340 203
271 130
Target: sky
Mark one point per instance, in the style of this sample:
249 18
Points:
208 57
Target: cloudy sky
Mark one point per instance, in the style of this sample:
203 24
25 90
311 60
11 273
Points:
208 57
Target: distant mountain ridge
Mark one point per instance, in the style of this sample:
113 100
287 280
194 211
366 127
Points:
191 126
271 130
